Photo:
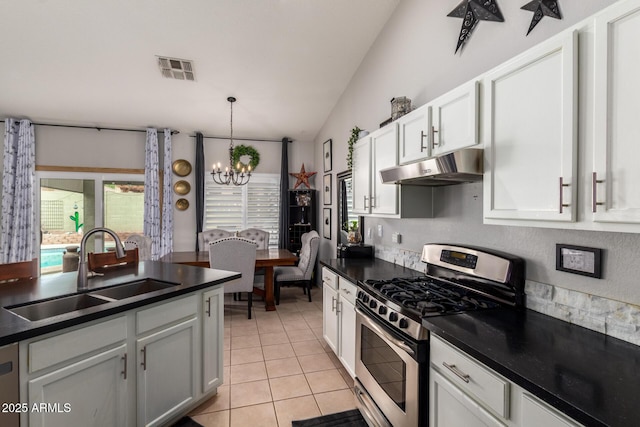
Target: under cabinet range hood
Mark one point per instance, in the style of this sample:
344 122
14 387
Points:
448 169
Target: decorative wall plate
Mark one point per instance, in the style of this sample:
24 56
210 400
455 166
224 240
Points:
182 187
182 204
181 167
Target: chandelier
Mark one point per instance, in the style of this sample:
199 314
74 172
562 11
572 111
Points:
232 175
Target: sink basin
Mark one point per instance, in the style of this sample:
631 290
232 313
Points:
132 289
49 308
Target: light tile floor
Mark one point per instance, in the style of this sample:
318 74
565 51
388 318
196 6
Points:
277 366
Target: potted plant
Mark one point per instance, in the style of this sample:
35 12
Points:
353 236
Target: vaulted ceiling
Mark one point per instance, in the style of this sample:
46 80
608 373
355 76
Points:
95 62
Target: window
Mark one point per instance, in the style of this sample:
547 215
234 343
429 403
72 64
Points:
255 205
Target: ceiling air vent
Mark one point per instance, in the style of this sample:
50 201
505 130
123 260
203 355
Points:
174 68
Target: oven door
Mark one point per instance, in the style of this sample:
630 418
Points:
386 369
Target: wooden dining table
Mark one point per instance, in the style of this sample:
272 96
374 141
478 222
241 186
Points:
265 258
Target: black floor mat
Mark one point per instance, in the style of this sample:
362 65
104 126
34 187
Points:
341 419
186 422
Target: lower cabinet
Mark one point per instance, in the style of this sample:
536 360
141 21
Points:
166 372
92 391
144 367
339 317
463 392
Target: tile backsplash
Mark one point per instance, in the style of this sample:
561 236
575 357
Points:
614 318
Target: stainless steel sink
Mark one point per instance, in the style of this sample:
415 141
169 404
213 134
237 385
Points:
132 289
55 307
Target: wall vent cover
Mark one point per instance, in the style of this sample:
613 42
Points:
174 68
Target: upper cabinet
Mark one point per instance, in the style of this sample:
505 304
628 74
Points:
454 119
529 125
447 123
616 143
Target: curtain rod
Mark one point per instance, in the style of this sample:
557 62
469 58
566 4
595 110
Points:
243 139
98 128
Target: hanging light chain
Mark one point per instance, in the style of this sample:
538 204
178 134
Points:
232 175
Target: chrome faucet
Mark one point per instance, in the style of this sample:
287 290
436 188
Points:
83 270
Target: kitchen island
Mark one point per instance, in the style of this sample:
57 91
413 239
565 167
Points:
141 358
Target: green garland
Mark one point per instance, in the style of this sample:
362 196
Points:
352 140
244 150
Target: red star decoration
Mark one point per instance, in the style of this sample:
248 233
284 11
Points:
302 177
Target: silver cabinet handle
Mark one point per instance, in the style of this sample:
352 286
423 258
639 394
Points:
339 307
365 202
144 358
453 368
562 204
372 199
124 371
433 137
594 192
333 303
422 137
208 311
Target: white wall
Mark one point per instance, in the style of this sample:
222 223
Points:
413 57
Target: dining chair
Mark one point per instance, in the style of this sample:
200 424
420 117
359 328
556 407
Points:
19 270
300 274
100 260
142 243
207 236
235 254
261 237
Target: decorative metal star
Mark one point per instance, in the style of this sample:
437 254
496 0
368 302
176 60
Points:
540 9
473 11
302 177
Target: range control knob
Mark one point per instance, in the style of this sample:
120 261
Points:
382 310
359 295
365 298
403 323
373 304
393 316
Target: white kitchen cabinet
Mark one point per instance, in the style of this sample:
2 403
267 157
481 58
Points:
166 363
91 391
413 143
614 193
530 134
449 406
212 338
329 307
362 176
536 413
347 325
454 119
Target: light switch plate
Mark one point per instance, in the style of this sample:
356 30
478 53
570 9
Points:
396 238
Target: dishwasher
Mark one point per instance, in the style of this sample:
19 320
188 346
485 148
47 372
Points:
9 386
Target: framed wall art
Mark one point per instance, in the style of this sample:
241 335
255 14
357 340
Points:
326 186
326 223
326 155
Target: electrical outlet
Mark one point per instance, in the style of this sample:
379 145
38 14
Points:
396 238
379 230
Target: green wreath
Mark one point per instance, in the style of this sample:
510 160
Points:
244 150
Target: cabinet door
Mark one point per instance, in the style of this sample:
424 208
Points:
535 414
384 149
362 176
451 407
530 127
330 317
212 339
95 390
454 119
412 141
615 195
348 336
166 372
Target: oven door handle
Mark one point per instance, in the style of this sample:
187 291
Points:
385 334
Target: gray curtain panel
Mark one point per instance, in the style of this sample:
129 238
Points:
284 195
199 177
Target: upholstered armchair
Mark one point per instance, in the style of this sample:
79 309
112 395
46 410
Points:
235 254
261 237
302 273
207 236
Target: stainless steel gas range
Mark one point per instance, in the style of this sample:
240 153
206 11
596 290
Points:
392 346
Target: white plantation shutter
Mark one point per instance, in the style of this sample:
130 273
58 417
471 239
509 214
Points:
255 205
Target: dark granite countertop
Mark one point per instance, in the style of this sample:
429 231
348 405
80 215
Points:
591 377
14 328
